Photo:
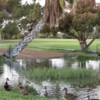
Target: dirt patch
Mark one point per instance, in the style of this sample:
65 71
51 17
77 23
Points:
34 54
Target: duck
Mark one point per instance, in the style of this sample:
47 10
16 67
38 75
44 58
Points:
68 96
91 98
7 87
23 89
45 92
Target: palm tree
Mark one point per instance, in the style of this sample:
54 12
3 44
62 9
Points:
53 11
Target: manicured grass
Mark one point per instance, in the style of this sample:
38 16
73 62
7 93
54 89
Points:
51 44
60 43
15 95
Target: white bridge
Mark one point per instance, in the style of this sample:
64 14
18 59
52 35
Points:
13 52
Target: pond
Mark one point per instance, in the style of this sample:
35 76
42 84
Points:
12 69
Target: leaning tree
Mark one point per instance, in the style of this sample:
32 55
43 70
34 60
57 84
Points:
52 12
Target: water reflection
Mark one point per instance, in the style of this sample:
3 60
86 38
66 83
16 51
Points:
11 70
87 64
58 63
55 62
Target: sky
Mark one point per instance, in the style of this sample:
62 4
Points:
42 2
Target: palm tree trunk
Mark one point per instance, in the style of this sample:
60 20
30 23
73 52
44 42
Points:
52 12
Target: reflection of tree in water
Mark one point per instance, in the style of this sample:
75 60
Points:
82 64
1 65
57 92
69 61
1 61
1 70
38 63
13 64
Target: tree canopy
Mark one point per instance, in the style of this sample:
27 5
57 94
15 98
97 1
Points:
81 23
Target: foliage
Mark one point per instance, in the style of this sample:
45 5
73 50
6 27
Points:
37 12
70 1
84 57
2 15
24 10
32 90
1 60
13 5
2 4
54 31
84 22
45 29
14 11
10 29
65 23
81 24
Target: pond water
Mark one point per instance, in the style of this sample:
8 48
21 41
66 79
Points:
11 70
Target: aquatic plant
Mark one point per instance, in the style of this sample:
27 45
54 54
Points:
61 74
84 57
1 60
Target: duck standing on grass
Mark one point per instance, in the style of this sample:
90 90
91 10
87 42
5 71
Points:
68 96
23 89
7 86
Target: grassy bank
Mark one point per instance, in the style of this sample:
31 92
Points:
15 95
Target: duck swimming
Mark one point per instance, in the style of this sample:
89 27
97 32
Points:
45 92
7 86
91 98
69 96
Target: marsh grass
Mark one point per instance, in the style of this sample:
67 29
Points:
61 74
1 60
15 95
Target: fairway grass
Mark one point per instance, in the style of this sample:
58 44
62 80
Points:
60 44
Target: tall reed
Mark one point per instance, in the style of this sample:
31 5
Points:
84 57
61 74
